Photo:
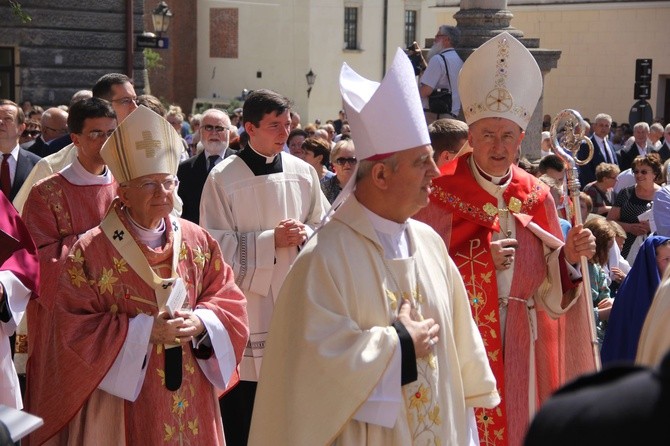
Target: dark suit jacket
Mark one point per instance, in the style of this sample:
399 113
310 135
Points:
24 164
40 148
192 174
626 157
664 151
59 143
622 405
587 172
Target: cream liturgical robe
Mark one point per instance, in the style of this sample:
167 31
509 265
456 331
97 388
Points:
331 343
241 210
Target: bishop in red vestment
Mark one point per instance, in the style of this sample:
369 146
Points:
501 228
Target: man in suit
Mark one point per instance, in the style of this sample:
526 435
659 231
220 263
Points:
192 173
603 152
664 150
54 125
16 163
64 140
640 146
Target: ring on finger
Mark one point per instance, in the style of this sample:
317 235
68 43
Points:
431 342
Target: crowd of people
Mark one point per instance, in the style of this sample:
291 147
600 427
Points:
393 276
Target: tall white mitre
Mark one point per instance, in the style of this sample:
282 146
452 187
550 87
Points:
500 79
143 144
384 117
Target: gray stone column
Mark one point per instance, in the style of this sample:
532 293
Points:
478 21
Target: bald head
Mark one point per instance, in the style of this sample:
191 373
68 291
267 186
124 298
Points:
54 124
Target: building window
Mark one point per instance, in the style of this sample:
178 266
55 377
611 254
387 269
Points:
410 27
7 73
350 28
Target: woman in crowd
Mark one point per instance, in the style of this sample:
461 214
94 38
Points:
294 142
634 299
344 162
600 292
30 134
317 154
633 201
601 191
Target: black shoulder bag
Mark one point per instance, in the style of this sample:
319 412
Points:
439 101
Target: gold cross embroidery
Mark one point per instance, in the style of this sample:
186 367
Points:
148 144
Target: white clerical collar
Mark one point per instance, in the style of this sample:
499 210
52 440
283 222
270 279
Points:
268 159
153 238
392 235
76 174
488 185
498 181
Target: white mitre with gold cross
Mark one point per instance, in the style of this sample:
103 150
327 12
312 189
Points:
143 144
500 79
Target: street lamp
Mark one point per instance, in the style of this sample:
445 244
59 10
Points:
161 18
311 77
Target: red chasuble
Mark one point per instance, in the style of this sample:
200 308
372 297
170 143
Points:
21 257
466 217
98 294
56 213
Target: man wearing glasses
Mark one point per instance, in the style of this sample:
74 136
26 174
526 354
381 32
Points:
63 206
444 64
54 125
192 173
113 87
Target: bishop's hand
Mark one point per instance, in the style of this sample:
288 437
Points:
423 332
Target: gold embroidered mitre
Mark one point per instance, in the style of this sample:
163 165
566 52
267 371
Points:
143 144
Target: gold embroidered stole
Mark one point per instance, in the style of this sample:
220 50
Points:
125 244
421 397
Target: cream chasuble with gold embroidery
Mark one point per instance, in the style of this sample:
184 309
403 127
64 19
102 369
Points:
331 342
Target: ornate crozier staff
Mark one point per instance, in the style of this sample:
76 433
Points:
567 135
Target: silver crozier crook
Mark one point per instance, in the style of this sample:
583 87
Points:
567 135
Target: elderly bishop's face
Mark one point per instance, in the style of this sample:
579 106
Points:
495 142
149 198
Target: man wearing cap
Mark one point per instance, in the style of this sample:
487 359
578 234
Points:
501 228
260 204
372 341
148 321
63 206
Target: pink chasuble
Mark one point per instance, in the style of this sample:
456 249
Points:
98 294
56 212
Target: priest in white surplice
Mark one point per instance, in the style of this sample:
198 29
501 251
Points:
372 341
260 204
